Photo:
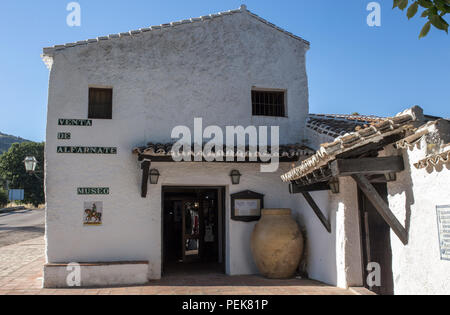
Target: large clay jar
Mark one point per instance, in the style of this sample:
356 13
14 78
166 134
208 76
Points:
277 244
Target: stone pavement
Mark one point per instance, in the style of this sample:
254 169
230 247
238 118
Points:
21 273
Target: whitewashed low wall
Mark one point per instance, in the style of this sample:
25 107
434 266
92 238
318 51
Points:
95 275
417 267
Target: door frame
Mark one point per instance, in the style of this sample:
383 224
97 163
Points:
365 234
221 194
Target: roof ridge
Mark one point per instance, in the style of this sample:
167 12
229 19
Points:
48 51
344 115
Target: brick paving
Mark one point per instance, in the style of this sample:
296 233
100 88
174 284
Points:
21 268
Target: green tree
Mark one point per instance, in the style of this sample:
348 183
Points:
12 168
3 198
434 11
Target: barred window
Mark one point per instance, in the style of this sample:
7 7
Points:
100 103
268 103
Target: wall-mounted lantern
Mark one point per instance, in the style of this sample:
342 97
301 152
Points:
154 176
235 177
30 164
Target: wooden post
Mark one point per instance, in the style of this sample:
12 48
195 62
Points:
381 206
317 211
145 166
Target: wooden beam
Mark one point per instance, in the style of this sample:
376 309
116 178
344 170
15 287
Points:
296 188
379 165
381 206
317 211
371 148
145 166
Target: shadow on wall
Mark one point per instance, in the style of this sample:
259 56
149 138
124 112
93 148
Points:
319 255
405 178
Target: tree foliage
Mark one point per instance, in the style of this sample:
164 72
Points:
12 168
434 11
3 198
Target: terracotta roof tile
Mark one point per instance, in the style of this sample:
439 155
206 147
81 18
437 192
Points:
338 125
435 160
380 129
285 151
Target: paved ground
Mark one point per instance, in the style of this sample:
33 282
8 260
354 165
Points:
22 259
22 225
21 273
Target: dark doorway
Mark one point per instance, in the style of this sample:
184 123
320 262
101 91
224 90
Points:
376 241
193 230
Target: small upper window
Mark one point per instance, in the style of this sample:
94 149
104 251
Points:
100 103
268 103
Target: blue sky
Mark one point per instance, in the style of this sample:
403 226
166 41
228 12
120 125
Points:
351 67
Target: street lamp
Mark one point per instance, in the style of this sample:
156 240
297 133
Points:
30 164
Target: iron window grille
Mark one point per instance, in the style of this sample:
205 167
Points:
269 103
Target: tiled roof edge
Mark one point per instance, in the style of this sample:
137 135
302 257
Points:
289 150
49 51
353 140
434 160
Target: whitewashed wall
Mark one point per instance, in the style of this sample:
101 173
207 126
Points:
162 79
131 227
417 268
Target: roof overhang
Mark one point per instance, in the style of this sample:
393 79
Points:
357 144
167 153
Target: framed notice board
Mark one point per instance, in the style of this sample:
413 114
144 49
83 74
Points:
246 206
443 218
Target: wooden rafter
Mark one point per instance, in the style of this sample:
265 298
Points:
295 188
326 223
381 206
378 165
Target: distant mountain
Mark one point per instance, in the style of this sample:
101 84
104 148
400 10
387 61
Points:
6 141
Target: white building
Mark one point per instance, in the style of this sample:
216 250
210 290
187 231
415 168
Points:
391 203
113 104
146 83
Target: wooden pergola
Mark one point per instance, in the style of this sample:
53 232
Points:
366 167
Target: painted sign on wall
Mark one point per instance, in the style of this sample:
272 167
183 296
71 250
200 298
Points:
64 135
93 212
443 217
75 122
87 150
93 191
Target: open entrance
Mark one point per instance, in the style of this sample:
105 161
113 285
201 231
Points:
376 242
193 230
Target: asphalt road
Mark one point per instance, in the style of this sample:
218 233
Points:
22 225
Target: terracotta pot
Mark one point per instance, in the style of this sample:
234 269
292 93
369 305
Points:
277 244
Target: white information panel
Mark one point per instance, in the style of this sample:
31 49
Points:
443 217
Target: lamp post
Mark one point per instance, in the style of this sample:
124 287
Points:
30 166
